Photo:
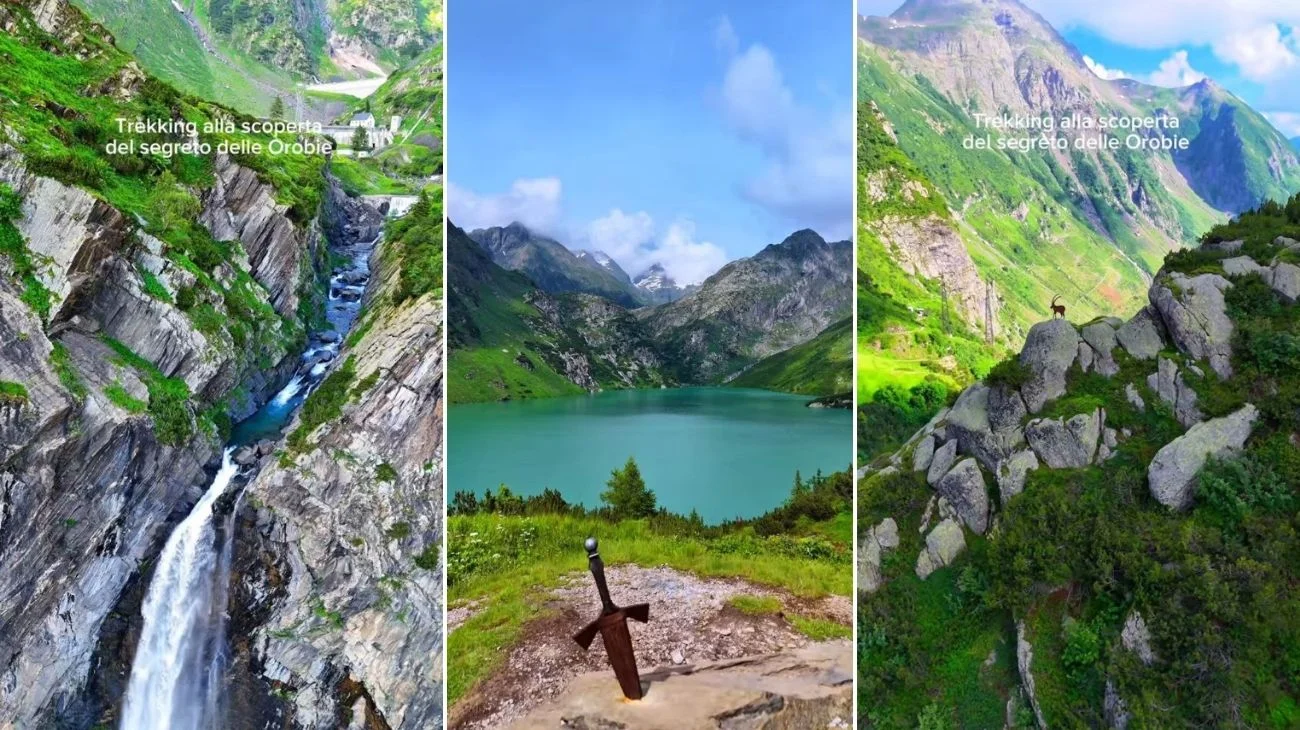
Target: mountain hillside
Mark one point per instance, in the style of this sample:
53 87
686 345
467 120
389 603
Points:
659 287
510 339
820 366
754 307
1102 532
1089 227
552 266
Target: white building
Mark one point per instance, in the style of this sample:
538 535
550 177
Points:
378 137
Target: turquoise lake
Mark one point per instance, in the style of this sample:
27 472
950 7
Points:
726 452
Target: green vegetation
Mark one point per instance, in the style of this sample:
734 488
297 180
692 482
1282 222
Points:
169 398
507 552
1081 549
25 266
893 414
122 399
61 361
153 287
416 238
755 605
820 366
385 472
11 392
325 404
627 495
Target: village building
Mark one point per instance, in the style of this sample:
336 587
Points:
378 137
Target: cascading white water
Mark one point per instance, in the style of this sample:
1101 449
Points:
180 643
288 392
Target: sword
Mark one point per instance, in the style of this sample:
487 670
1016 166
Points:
612 627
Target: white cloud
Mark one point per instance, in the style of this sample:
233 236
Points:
1157 24
808 172
1110 74
1287 123
632 240
535 202
1175 72
1262 52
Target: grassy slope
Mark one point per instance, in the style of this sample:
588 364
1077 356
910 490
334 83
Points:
821 366
489 325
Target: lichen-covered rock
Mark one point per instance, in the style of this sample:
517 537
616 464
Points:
943 460
1195 313
879 539
924 454
963 487
1066 444
942 546
1241 266
985 422
1285 280
1013 471
1167 382
1143 335
1049 351
1100 338
1172 473
1024 664
1136 637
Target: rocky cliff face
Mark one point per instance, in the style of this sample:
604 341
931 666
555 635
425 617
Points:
101 455
337 582
753 307
552 266
1107 427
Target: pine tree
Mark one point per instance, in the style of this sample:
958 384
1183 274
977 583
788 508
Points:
799 486
360 140
627 496
277 108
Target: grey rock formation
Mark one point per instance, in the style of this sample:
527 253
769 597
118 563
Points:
985 421
1241 266
1285 280
1066 444
1101 339
963 487
336 564
1168 384
1024 664
1049 351
942 546
943 460
1136 637
1013 471
1195 314
1133 396
1143 335
923 454
1116 712
879 539
1172 473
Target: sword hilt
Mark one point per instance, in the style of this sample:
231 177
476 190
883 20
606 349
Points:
598 572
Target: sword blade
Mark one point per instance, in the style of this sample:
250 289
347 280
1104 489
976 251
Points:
618 646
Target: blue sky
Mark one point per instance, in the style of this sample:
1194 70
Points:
686 132
1247 46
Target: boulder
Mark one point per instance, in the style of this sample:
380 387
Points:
1066 444
985 422
1136 637
1225 246
1012 473
943 459
1167 382
942 546
1285 280
1050 350
1241 266
1024 664
1194 312
1131 393
1142 336
924 454
1006 410
878 540
1086 356
1172 473
963 487
1100 337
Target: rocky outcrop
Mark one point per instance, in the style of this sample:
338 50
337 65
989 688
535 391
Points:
985 421
879 540
942 546
1195 314
1024 664
802 688
1049 351
931 248
1012 473
944 457
1066 444
1100 342
963 488
1136 637
1172 472
1167 382
1143 335
337 560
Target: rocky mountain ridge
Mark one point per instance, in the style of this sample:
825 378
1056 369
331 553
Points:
552 266
1131 414
659 287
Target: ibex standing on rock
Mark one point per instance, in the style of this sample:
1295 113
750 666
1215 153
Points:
1057 309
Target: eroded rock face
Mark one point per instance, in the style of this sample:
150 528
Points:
1194 312
1013 471
1168 384
359 614
1066 444
1101 340
963 487
1024 663
811 687
1136 637
944 457
1172 473
1143 335
1049 351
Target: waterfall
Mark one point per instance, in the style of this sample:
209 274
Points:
174 681
289 391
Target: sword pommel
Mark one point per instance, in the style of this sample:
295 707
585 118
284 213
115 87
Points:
591 544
